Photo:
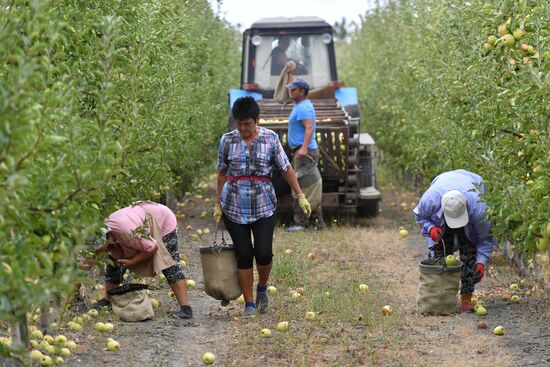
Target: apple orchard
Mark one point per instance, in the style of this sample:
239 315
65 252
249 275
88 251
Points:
106 102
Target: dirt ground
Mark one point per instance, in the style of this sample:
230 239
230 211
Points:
421 341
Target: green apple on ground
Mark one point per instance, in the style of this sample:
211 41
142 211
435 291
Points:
33 343
64 352
515 298
363 287
499 330
283 326
288 251
265 333
481 311
113 345
272 290
37 334
46 361
310 315
295 295
107 327
514 287
35 355
450 260
61 340
71 345
191 283
403 232
99 326
387 310
154 303
162 277
208 358
50 349
491 40
58 360
240 300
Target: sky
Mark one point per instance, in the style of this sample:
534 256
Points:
246 12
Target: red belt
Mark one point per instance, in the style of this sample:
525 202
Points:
248 178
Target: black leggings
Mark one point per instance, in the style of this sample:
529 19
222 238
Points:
262 249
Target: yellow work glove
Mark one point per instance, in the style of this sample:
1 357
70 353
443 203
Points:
218 213
304 204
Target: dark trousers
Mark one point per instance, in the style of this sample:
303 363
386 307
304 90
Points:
246 251
455 239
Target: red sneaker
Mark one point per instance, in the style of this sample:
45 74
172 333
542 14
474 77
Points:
466 307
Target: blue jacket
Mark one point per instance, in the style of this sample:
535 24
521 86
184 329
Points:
429 212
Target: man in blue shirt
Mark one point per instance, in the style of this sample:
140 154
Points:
451 210
302 142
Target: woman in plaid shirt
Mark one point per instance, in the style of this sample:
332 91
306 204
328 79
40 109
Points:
246 198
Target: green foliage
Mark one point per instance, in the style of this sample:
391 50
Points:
439 96
102 103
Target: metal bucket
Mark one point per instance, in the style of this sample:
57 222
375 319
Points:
438 288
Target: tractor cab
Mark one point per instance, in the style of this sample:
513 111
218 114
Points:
271 42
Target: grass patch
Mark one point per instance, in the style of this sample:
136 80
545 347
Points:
348 328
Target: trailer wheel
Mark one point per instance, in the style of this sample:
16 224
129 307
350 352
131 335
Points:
368 209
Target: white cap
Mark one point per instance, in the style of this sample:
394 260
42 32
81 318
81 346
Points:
454 209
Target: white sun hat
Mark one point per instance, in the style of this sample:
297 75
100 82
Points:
454 209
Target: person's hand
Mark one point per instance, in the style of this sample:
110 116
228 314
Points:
436 233
479 272
125 262
291 66
218 213
302 152
304 204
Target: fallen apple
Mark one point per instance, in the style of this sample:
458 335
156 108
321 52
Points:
191 283
387 310
208 358
288 251
58 360
363 287
113 345
36 355
311 256
37 334
515 298
450 260
64 352
272 290
199 232
283 326
74 326
499 330
506 297
514 287
481 325
310 315
481 311
107 327
240 300
49 339
265 333
295 295
206 231
33 343
85 318
162 277
99 326
183 264
491 40
154 303
46 361
60 340
50 349
403 233
71 345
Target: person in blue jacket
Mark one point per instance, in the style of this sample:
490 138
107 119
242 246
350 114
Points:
451 212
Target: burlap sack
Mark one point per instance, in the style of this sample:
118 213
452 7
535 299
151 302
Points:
438 289
131 303
219 269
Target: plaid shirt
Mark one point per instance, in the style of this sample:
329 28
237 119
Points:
247 201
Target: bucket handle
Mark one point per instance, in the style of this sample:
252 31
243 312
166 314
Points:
218 247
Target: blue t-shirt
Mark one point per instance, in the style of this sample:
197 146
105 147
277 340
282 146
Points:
296 130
